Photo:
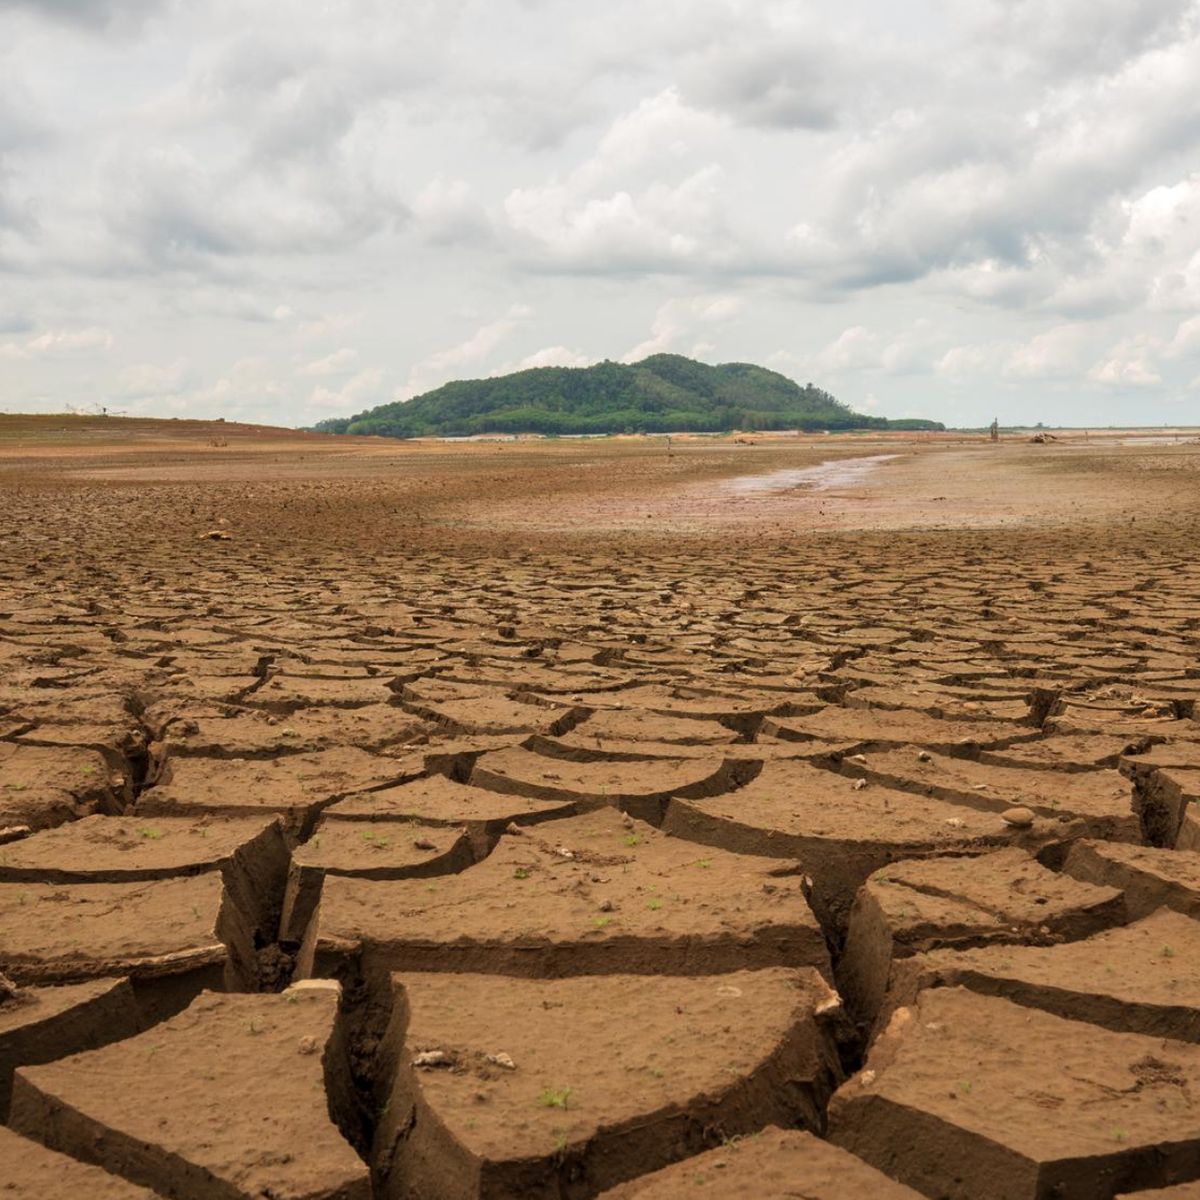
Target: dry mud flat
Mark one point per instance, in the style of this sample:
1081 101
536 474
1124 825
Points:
384 848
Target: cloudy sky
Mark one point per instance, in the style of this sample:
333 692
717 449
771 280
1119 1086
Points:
295 209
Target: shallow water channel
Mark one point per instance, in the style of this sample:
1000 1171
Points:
826 475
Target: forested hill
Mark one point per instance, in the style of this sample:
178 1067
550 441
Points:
665 393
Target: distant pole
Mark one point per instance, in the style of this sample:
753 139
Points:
995 429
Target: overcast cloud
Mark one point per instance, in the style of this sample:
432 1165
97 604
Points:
286 211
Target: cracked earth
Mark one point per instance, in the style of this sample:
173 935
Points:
570 820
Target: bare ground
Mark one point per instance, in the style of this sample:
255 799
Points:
543 818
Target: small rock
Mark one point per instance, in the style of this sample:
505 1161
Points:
423 844
14 833
502 1060
607 906
924 756
858 758
859 784
8 989
1020 817
308 1045
429 1060
563 852
216 535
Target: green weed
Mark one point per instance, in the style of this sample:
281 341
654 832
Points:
555 1098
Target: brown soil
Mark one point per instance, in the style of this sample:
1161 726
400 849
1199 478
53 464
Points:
38 1025
1141 978
31 1172
591 894
1181 1191
692 1061
918 905
193 1106
620 764
55 933
839 829
769 1165
961 1095
1148 877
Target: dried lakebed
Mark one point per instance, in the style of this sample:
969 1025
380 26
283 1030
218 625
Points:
451 876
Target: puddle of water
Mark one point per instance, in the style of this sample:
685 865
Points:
838 473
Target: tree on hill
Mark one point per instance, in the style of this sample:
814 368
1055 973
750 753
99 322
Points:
665 393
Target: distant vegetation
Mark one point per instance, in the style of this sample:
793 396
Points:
665 393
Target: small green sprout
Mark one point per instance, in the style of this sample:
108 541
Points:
555 1097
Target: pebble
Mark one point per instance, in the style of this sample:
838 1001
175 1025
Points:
502 1060
430 1059
1020 817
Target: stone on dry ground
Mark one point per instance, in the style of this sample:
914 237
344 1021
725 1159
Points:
922 904
597 893
617 1076
972 1097
194 1106
776 1164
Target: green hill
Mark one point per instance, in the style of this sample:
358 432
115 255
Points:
665 393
